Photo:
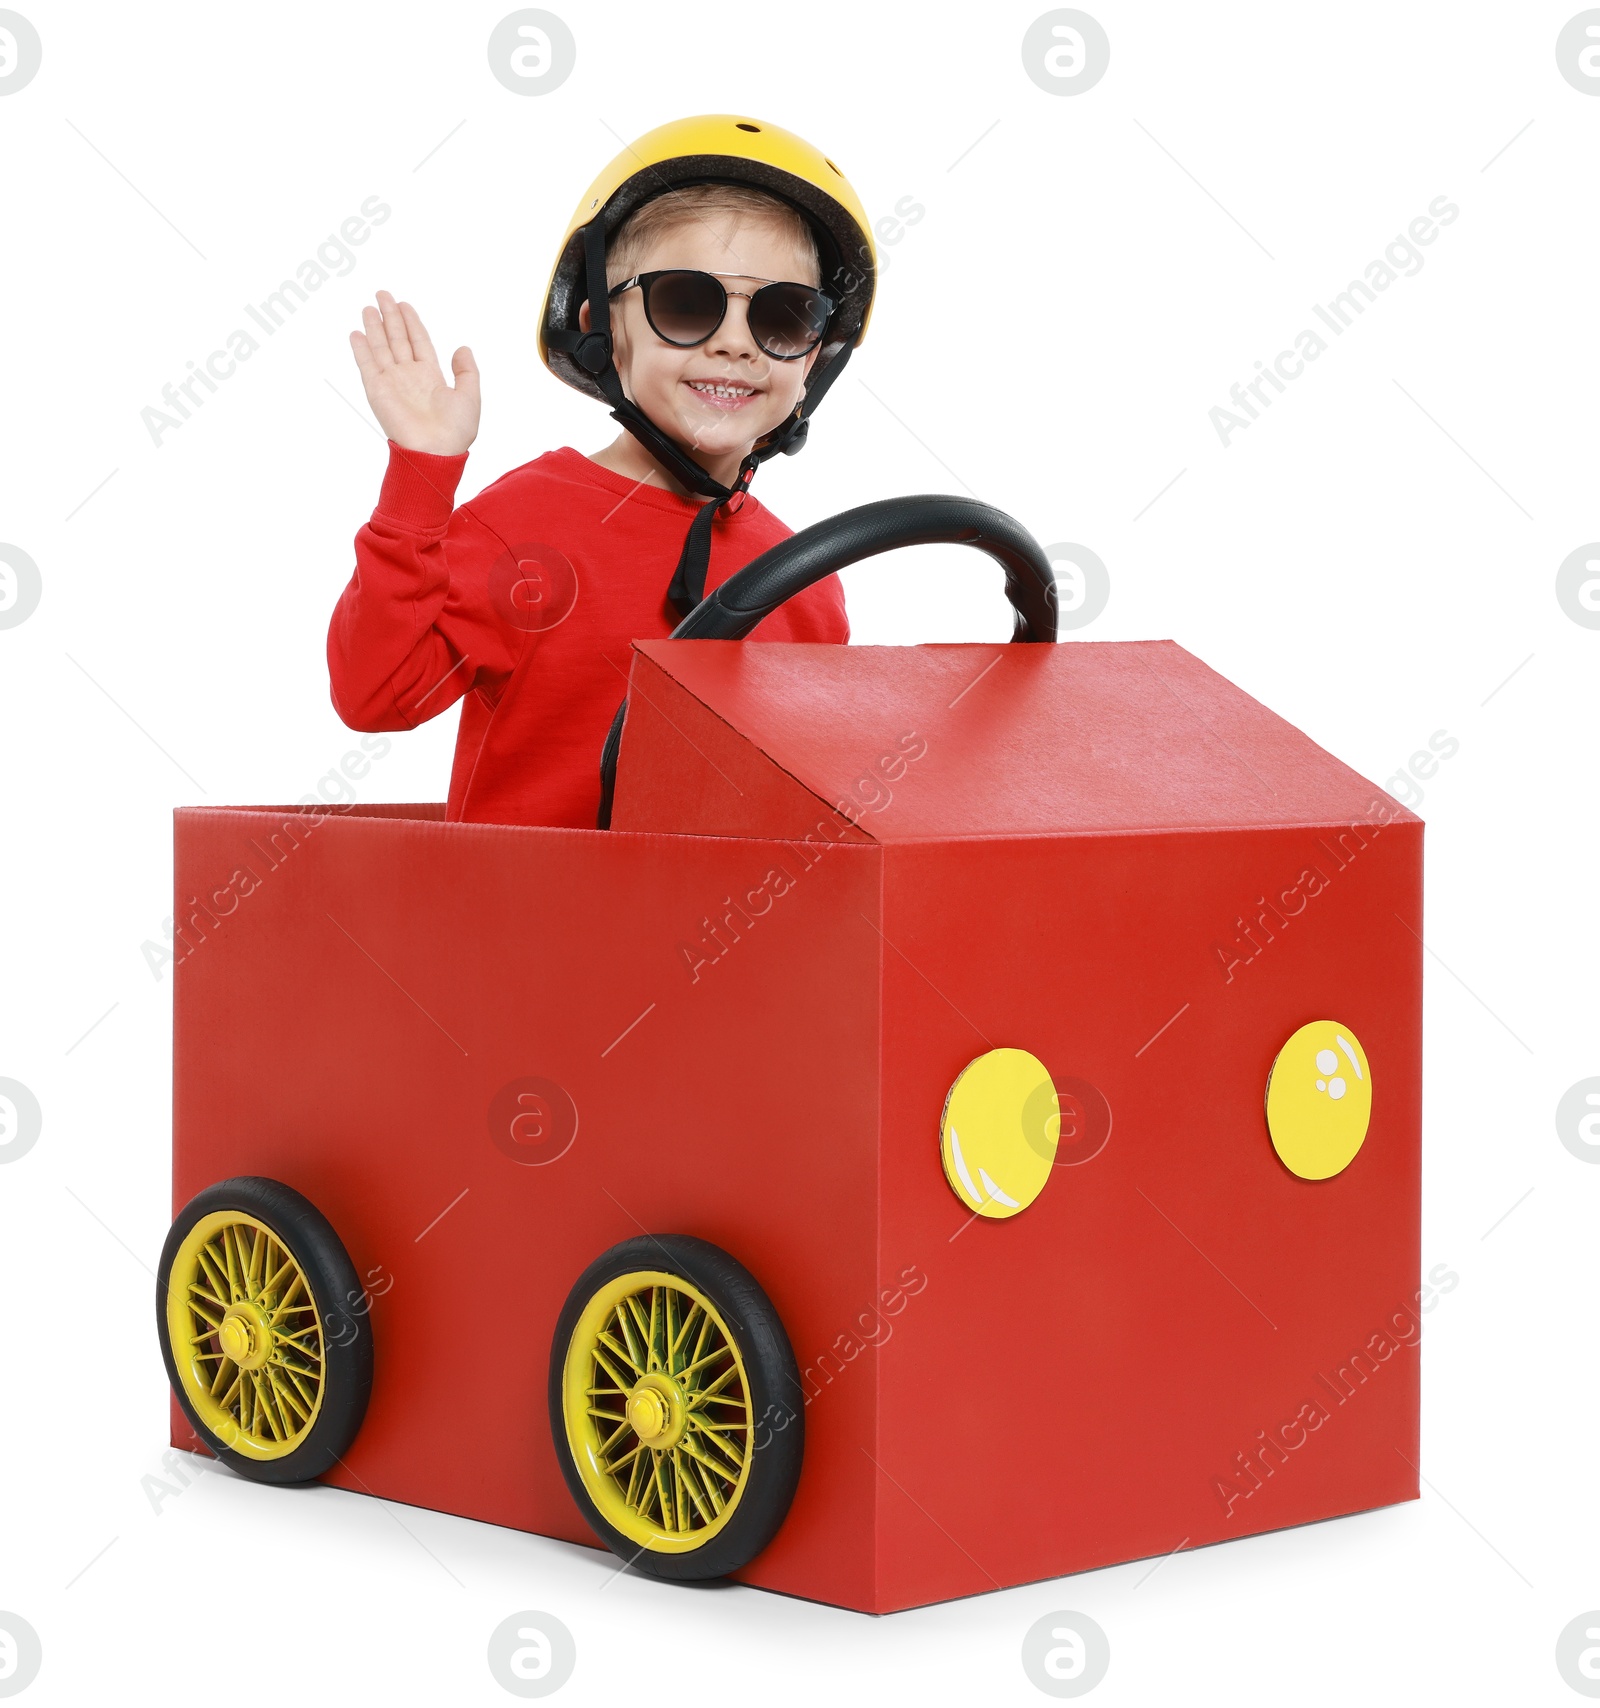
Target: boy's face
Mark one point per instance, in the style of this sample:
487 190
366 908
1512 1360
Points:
662 379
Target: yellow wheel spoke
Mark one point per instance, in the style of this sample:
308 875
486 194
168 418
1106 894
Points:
708 1481
308 1395
640 1461
624 1321
679 1511
612 1439
721 1433
736 1459
701 1395
615 1465
647 1488
623 1382
690 1449
663 1492
264 1405
612 1344
637 1319
212 1267
683 1329
275 1399
288 1400
700 1362
688 1478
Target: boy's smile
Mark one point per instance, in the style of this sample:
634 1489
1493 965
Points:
723 394
718 398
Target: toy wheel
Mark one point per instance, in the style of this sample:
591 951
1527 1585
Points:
675 1406
267 1362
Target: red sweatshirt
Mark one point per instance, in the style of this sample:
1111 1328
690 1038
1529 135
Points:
522 604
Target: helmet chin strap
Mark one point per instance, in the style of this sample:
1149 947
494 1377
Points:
592 351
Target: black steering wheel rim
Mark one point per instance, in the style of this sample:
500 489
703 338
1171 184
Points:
731 611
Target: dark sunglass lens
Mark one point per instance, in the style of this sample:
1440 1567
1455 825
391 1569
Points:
685 308
787 320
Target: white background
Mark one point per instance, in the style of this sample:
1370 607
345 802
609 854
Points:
1373 559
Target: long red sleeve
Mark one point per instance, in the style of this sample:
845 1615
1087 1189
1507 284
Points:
400 650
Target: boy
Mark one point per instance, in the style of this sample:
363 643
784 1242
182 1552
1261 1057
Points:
710 288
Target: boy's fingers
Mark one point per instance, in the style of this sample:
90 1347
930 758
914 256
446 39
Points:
417 334
465 371
394 326
362 351
377 342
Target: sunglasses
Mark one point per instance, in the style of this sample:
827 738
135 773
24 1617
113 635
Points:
684 307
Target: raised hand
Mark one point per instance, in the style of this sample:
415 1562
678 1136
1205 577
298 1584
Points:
414 403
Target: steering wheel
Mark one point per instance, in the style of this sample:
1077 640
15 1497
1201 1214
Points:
754 592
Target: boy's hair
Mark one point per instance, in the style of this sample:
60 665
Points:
701 201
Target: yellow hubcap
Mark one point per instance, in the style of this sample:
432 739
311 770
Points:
647 1412
657 1411
242 1339
246 1335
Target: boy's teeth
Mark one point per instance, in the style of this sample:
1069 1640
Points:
723 390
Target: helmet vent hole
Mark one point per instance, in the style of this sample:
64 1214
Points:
835 168
741 125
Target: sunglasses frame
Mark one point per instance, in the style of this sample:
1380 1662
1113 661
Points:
645 280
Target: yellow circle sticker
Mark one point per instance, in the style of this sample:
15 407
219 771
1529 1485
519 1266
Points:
1319 1100
998 1132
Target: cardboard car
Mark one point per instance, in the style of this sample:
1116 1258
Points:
957 1124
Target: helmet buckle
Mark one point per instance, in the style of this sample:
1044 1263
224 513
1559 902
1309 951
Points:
592 352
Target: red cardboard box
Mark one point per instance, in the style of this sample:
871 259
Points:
835 877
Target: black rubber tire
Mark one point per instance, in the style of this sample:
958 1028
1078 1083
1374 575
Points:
347 1336
776 1401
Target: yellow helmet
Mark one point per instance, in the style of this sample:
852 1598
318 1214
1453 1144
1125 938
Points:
714 148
